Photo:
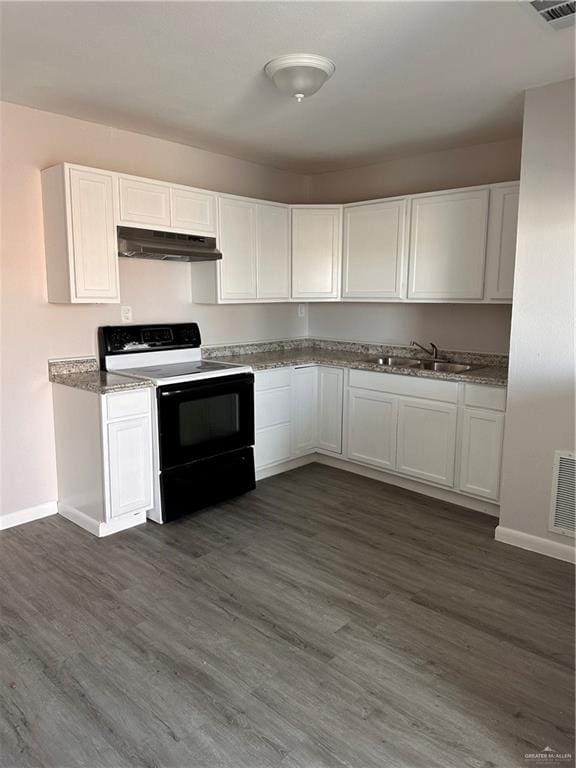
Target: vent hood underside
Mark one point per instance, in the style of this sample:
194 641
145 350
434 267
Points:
136 243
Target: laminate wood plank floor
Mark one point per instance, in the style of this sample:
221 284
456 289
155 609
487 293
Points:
323 621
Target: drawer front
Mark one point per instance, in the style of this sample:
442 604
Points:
272 446
120 405
431 389
481 396
278 377
272 406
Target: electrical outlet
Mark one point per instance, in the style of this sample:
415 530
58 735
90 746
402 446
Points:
301 310
126 314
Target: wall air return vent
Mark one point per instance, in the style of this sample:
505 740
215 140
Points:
563 508
557 15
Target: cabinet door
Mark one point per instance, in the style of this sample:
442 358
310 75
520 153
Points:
448 245
238 246
501 247
427 440
144 202
273 234
304 409
130 465
315 252
330 389
481 452
193 211
374 250
94 247
372 418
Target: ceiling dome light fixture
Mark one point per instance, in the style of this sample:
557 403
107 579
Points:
299 74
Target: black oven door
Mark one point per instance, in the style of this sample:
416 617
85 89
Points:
205 418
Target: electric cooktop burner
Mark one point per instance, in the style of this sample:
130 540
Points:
173 370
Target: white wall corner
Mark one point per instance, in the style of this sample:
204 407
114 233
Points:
536 544
28 515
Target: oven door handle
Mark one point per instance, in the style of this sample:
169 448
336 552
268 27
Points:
174 392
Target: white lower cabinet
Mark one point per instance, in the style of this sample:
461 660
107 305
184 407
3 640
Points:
297 411
304 409
427 440
372 418
481 452
330 407
273 417
416 427
129 460
104 450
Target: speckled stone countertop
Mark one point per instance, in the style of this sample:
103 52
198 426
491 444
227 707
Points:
84 373
486 368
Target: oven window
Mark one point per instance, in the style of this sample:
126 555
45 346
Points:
209 419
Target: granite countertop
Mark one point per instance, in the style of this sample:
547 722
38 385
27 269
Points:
84 373
486 369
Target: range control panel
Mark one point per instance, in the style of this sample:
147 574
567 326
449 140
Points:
125 339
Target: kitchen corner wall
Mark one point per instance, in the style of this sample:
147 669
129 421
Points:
541 388
33 330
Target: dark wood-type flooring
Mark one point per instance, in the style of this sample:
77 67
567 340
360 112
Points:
323 621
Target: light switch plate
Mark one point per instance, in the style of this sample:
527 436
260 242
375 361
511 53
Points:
301 310
126 314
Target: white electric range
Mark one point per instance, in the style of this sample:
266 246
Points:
204 416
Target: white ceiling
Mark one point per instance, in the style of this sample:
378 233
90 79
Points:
410 76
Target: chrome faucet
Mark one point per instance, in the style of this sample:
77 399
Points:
433 351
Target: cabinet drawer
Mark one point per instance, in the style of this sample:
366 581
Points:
279 377
272 407
432 389
119 405
272 445
481 396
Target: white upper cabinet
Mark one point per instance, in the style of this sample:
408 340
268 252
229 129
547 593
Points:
255 265
374 250
316 245
158 205
501 246
448 245
273 248
144 203
80 235
193 210
238 246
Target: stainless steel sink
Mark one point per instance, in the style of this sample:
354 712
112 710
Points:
444 367
399 362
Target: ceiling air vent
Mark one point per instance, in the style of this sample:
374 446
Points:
557 15
563 510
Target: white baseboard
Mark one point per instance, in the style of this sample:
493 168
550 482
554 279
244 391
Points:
100 528
284 466
536 544
28 515
442 494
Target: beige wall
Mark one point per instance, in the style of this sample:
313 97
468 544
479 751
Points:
540 415
33 330
463 167
470 327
